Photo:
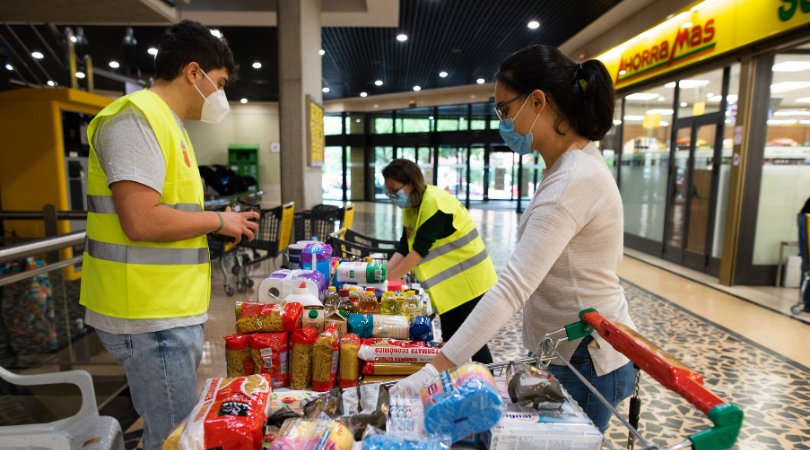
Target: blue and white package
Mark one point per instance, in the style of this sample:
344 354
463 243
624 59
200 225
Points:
422 329
317 256
390 442
461 402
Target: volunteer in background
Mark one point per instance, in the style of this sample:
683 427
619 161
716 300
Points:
571 235
146 274
440 242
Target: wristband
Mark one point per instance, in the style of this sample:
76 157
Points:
221 222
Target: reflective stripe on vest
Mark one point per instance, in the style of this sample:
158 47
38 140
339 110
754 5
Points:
450 246
450 272
103 204
128 254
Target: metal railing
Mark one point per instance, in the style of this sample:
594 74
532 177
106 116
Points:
45 245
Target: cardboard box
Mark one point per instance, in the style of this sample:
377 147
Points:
340 323
313 316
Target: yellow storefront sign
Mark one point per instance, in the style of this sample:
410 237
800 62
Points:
651 121
702 30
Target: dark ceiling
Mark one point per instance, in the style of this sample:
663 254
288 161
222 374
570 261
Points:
466 38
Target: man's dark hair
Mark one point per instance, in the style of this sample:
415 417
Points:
188 42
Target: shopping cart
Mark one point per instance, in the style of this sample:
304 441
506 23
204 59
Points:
348 244
318 222
663 367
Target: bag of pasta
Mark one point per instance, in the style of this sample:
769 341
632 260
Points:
269 317
325 355
269 352
301 343
349 364
237 355
391 368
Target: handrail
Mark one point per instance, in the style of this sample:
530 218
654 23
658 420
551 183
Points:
19 251
40 215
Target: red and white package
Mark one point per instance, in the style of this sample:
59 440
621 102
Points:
390 350
269 352
229 415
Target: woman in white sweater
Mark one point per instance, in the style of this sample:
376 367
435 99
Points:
571 234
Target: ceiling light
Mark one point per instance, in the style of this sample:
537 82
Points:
10 67
244 100
782 121
357 120
792 112
51 83
79 37
622 72
257 65
641 96
798 100
687 25
114 64
617 122
633 117
152 51
402 38
786 86
663 112
417 88
73 39
683 104
716 98
378 82
430 117
804 122
216 33
322 52
663 124
480 81
731 98
709 95
443 74
619 49
129 38
326 89
37 55
79 74
533 24
686 84
661 99
791 66
363 94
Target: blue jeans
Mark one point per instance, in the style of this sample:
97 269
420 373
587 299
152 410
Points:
161 371
614 386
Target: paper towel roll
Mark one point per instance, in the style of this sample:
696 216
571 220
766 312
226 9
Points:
279 284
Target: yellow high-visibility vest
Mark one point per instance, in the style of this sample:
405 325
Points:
145 280
458 268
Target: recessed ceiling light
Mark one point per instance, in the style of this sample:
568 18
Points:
244 100
216 33
322 52
686 25
480 81
402 38
73 39
663 112
257 65
792 112
782 121
663 124
617 122
378 82
152 51
731 98
798 100
430 117
357 120
79 74
786 86
687 84
442 74
633 117
363 94
791 66
641 96
683 104
533 24
661 99
417 88
114 64
37 55
9 67
51 83
326 89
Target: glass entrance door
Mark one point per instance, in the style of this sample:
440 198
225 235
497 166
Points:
502 169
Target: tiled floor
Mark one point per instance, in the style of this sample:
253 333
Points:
748 354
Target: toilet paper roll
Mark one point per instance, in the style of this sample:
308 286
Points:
279 284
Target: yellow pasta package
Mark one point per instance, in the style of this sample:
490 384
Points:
325 360
349 364
301 342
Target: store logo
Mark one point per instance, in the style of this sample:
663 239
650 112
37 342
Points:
688 42
185 154
786 12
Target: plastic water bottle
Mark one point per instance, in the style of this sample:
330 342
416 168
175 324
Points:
408 414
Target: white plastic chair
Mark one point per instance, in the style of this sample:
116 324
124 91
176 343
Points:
84 431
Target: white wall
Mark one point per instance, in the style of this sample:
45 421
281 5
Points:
252 123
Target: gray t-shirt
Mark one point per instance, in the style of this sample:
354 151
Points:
128 150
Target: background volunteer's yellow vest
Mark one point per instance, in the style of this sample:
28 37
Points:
145 280
458 268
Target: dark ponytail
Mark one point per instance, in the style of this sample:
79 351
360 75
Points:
582 94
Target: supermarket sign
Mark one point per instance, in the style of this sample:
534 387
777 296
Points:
700 31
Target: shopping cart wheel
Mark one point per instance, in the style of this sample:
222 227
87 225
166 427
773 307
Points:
235 269
241 287
797 309
229 291
250 283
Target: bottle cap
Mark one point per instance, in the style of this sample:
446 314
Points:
303 285
332 288
313 314
369 290
353 288
343 313
343 292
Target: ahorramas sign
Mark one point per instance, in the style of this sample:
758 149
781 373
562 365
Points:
702 30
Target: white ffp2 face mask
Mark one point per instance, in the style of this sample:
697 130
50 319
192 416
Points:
216 105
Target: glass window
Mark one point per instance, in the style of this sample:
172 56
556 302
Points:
786 165
482 112
332 126
415 120
533 167
452 170
610 145
452 118
645 160
382 156
725 163
332 179
502 173
382 123
425 162
700 94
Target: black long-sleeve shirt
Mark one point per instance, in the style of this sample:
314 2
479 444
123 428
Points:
439 226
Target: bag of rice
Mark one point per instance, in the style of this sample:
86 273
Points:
237 355
349 364
325 355
301 343
269 352
269 318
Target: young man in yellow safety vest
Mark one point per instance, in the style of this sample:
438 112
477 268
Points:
146 272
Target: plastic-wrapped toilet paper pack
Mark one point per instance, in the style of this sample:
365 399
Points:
279 284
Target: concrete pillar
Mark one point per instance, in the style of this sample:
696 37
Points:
299 61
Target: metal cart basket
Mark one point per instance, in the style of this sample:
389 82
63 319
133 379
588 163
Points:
347 244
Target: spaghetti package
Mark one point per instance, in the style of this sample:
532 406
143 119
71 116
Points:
389 350
301 343
386 368
301 434
230 414
237 355
325 355
269 352
349 364
372 379
462 402
269 318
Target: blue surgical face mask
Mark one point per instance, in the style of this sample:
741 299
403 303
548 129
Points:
401 199
522 145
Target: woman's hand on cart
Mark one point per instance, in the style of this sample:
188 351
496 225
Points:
237 224
410 387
